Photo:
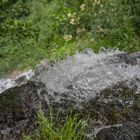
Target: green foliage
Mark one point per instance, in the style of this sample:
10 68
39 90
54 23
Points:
136 12
49 129
32 30
108 22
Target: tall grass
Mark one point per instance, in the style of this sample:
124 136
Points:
49 129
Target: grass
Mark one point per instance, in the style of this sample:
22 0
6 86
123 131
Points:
68 129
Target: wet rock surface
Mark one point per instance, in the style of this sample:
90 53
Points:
20 79
104 87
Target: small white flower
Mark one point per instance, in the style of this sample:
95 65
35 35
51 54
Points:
98 2
69 15
72 21
82 7
79 30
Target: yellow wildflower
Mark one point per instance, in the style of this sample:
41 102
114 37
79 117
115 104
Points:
67 37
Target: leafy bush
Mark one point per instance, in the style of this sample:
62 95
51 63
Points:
32 30
135 4
108 22
70 129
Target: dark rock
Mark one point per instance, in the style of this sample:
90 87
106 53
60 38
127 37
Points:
128 131
18 106
104 87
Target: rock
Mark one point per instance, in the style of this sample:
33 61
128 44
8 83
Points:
42 66
104 87
17 111
17 80
127 131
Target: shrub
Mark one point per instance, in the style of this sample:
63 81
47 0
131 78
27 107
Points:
32 30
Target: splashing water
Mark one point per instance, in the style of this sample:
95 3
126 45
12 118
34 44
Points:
73 82
86 74
6 83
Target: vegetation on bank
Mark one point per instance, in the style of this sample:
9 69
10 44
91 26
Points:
37 29
69 129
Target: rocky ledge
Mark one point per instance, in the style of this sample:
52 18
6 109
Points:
105 87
